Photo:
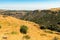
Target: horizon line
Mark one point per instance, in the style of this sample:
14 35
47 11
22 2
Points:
30 9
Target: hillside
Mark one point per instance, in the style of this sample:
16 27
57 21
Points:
14 13
55 9
10 30
49 18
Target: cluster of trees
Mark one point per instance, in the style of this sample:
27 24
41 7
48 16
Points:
50 19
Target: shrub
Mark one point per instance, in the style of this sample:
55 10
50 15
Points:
58 23
42 27
55 38
13 32
23 29
43 34
26 37
58 29
52 27
0 26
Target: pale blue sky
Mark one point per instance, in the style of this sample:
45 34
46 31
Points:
29 4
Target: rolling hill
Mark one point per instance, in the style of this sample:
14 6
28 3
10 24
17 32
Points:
10 30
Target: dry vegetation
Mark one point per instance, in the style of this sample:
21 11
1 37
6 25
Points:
10 30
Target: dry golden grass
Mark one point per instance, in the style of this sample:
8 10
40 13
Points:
10 24
55 9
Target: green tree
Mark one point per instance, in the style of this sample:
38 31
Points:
23 29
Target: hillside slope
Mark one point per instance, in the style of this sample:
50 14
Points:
55 9
9 24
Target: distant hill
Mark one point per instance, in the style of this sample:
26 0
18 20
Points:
14 13
55 9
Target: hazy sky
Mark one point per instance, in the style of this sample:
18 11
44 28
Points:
29 4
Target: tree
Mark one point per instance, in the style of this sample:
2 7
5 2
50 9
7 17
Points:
23 29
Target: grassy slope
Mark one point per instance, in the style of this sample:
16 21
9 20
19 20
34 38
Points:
10 24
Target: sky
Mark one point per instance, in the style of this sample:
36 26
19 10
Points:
29 4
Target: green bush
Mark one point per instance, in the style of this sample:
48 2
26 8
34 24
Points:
23 29
52 27
42 27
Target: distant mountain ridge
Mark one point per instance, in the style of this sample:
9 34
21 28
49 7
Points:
22 13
